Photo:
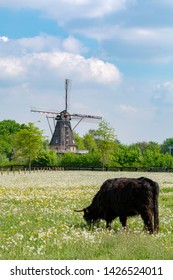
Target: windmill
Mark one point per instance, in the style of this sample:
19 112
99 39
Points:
62 133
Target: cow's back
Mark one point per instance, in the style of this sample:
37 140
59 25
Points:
127 196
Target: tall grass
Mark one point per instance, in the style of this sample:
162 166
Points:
37 219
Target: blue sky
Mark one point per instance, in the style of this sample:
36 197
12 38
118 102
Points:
117 53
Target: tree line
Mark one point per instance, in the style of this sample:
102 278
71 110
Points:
25 144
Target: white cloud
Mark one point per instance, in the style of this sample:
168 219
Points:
24 45
4 39
131 35
156 44
149 36
66 64
163 94
65 10
42 43
169 85
38 43
143 43
73 45
47 66
10 67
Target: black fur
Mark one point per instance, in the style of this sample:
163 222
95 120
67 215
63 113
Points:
124 197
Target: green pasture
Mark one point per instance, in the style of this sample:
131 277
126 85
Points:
37 219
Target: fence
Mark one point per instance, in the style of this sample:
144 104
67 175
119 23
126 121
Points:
24 169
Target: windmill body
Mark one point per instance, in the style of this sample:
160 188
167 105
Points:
62 134
63 139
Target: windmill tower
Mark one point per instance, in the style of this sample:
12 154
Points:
62 134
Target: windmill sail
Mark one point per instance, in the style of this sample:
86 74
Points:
63 138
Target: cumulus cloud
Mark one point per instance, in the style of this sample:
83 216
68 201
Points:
150 36
71 65
152 44
73 45
41 43
4 39
37 64
10 67
65 10
129 34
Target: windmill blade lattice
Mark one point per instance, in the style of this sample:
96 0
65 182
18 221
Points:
62 136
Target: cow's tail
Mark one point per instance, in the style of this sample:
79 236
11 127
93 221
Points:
156 209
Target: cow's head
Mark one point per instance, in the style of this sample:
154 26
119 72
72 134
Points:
88 215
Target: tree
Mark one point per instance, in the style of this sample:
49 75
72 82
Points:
89 142
83 160
28 143
167 146
106 141
46 157
7 130
129 156
79 141
152 156
8 127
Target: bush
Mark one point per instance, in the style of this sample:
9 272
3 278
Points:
46 158
80 160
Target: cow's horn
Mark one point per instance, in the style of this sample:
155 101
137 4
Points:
81 210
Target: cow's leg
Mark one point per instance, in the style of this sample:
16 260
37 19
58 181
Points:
123 220
147 218
90 224
108 224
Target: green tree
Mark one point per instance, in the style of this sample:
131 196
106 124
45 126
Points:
9 127
28 143
83 160
167 160
89 142
69 160
46 157
142 146
167 146
152 156
79 141
7 130
106 141
129 156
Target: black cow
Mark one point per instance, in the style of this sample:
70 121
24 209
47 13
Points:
124 197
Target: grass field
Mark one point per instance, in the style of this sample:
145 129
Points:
37 219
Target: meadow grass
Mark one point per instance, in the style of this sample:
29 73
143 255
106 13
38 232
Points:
37 219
